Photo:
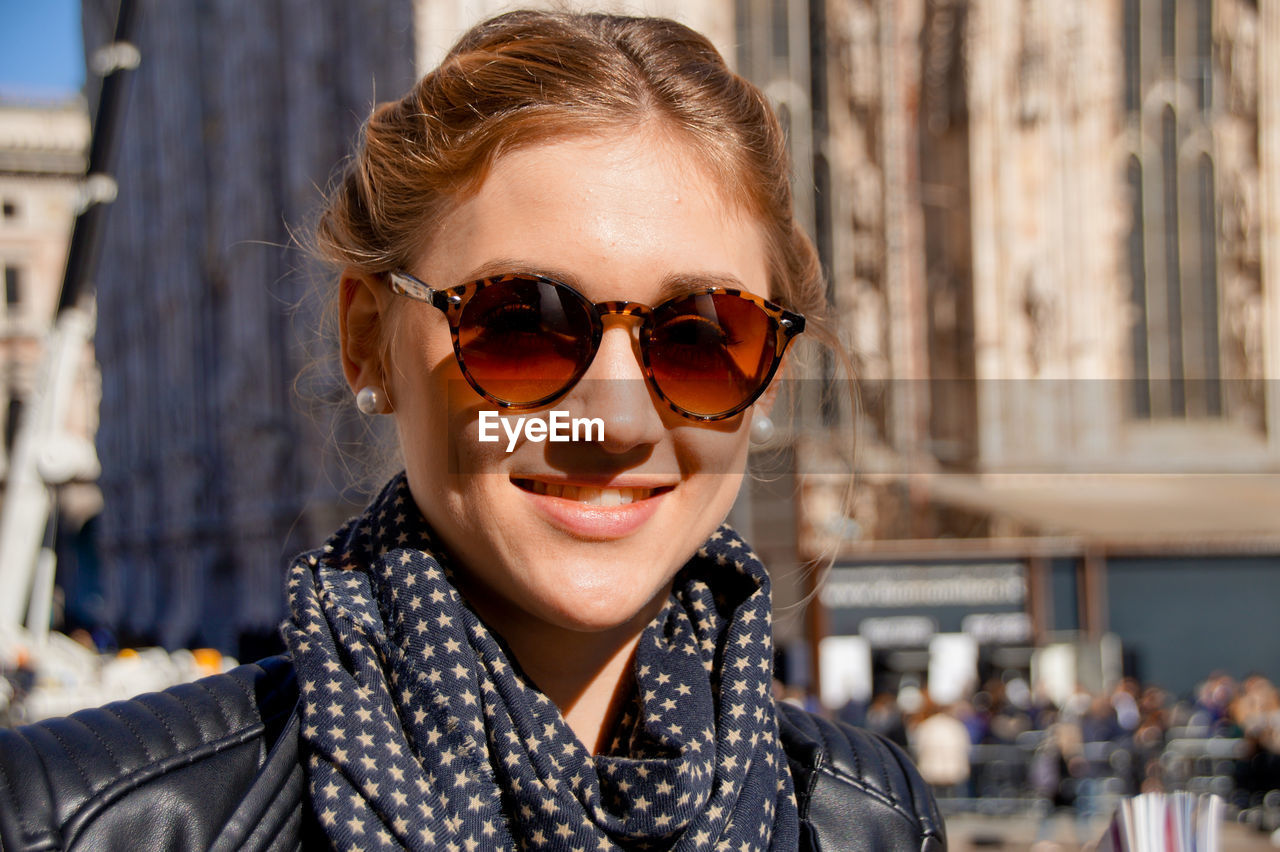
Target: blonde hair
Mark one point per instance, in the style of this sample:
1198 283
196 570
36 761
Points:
528 77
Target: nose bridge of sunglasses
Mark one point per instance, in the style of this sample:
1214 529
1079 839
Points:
632 310
632 315
610 360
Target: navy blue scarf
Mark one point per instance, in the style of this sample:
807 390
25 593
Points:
420 732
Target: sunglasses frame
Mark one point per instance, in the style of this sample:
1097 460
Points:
787 325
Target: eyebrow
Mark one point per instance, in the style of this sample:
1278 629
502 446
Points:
682 283
673 284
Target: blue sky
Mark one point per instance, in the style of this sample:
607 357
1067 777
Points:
40 48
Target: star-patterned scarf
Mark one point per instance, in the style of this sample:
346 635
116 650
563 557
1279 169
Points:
420 731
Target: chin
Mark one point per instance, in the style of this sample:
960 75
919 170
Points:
598 610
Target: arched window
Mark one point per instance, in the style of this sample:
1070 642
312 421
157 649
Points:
1173 253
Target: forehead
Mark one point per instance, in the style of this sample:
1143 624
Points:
621 215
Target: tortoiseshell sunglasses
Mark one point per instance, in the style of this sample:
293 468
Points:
523 341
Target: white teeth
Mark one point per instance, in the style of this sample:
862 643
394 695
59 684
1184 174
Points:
588 495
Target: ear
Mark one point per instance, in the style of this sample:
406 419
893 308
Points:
360 329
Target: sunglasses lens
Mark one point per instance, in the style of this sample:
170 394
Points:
525 340
711 353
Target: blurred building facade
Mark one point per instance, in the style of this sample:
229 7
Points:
43 150
1051 253
1059 237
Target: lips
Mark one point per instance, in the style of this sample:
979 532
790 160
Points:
590 495
600 512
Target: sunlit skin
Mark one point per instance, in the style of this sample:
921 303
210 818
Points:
570 587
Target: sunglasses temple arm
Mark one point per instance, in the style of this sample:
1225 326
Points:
407 285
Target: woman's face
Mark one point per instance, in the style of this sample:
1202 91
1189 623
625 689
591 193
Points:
534 530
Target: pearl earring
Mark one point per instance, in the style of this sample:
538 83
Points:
762 430
369 400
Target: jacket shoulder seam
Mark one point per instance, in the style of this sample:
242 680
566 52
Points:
891 802
44 836
91 807
124 720
832 769
922 813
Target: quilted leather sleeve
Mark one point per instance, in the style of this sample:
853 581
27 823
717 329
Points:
857 791
161 771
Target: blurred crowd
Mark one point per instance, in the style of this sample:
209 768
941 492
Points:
1007 743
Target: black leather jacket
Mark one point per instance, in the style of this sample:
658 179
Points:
214 765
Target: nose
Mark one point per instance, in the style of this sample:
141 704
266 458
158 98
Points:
614 389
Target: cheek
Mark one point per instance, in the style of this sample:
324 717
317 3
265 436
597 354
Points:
715 461
419 357
469 455
420 374
713 448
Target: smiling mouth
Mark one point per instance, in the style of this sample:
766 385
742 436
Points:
588 495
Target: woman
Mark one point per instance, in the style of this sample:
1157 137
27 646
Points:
547 644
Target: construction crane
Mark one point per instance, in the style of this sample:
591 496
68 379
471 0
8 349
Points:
43 456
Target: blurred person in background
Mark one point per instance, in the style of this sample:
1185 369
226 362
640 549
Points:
1124 701
1149 738
1213 699
1009 702
1099 723
885 718
941 745
1256 713
544 646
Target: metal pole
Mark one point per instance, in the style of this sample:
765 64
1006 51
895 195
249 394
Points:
86 235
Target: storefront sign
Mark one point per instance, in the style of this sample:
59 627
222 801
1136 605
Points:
901 586
898 631
998 628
